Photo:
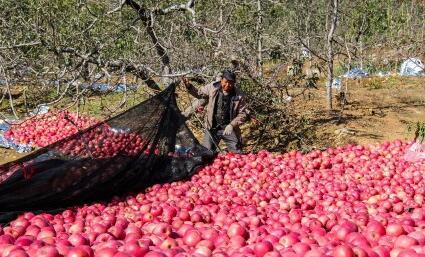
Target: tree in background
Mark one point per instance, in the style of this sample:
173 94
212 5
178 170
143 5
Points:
63 43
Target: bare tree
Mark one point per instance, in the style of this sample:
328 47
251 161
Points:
53 49
330 38
259 39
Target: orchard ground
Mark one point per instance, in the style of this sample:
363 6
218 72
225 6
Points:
378 109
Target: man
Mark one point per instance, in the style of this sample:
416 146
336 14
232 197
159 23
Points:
226 111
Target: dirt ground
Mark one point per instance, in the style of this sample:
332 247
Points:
377 110
8 155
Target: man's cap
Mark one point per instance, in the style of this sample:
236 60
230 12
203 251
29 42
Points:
229 75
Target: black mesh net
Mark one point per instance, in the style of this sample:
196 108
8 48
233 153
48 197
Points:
147 144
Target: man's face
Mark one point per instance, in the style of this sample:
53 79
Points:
227 85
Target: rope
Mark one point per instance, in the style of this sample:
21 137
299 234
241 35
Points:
207 131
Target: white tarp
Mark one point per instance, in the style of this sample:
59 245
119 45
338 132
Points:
336 83
415 153
412 67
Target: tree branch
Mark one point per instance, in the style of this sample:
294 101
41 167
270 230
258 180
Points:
118 8
147 18
138 70
177 7
20 45
311 50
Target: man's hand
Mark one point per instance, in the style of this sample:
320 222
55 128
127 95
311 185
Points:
200 109
255 121
185 115
185 81
228 130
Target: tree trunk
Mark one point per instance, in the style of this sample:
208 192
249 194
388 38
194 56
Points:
220 18
333 23
147 18
361 53
259 39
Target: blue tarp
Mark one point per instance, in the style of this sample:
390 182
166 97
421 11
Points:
355 73
20 148
4 143
4 127
103 87
383 74
4 82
